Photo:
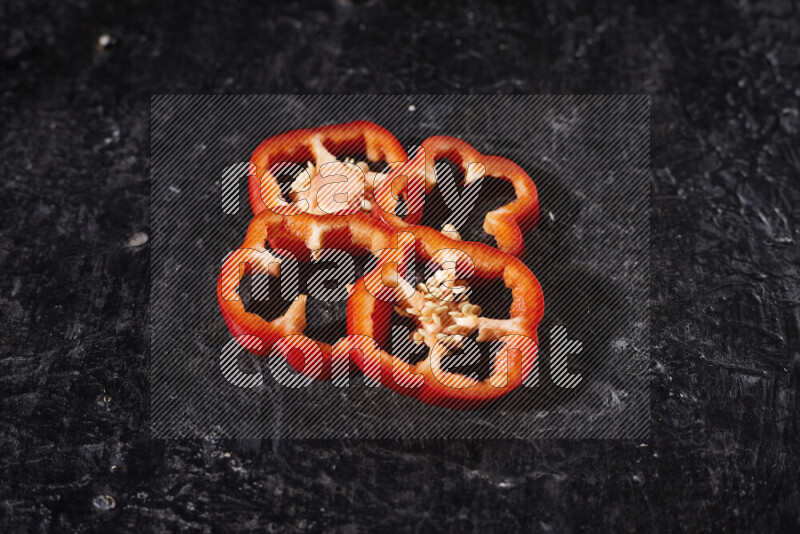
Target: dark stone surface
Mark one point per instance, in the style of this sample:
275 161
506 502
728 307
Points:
723 455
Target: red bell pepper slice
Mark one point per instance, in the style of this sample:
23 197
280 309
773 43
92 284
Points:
507 224
356 233
368 329
322 146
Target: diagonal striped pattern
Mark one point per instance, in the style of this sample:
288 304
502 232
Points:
589 158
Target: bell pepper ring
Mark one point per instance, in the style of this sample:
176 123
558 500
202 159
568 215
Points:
445 318
284 335
322 184
507 224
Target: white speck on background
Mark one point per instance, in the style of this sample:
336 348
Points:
137 240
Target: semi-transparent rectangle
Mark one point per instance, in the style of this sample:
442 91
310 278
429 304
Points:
589 159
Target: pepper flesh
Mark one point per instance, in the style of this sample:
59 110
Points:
358 232
308 224
320 145
507 224
368 328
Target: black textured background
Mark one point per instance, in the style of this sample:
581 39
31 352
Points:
725 301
